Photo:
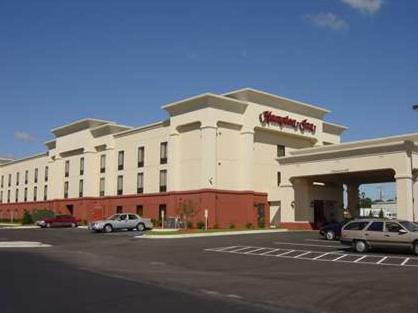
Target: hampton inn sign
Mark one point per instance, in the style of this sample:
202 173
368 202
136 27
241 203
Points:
268 118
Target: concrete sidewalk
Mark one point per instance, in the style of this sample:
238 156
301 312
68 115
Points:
213 234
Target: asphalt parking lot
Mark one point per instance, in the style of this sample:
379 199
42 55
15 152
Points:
278 272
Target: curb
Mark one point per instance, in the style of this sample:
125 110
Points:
229 233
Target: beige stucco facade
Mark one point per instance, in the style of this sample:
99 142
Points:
230 142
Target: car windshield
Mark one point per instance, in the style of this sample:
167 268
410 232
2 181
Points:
114 217
409 226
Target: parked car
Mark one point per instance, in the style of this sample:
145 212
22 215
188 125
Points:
120 221
364 234
58 221
331 231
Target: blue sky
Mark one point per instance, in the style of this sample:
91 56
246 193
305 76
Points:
122 60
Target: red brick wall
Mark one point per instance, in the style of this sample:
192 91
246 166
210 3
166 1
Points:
224 207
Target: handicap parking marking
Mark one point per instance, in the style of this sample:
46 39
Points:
321 256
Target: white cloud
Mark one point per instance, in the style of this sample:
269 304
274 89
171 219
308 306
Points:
24 136
365 6
327 20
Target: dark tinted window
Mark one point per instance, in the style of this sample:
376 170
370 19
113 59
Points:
132 217
376 226
393 227
356 226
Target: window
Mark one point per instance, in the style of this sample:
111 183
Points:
103 163
121 160
140 210
356 226
162 211
1 196
281 151
163 180
132 217
140 183
163 153
102 187
119 209
26 177
35 193
66 190
17 195
46 173
67 168
25 194
45 192
9 181
2 181
36 175
141 156
17 178
81 166
8 196
120 185
376 226
81 188
279 178
393 227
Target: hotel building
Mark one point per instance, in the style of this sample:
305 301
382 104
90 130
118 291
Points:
243 157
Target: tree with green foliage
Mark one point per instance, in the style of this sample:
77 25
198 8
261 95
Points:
381 213
27 218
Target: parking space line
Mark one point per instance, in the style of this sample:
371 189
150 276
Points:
270 251
308 245
252 251
360 258
320 256
340 257
301 255
285 253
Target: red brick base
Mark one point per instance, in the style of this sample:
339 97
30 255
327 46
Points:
224 207
298 225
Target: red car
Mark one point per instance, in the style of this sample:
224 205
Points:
58 221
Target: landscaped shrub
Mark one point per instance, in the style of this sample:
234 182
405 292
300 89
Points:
231 226
215 226
42 213
200 225
261 223
249 225
189 224
27 218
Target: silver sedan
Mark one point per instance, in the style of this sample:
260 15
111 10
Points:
120 221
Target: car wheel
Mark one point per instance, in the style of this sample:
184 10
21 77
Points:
140 227
330 235
48 225
360 246
416 248
108 228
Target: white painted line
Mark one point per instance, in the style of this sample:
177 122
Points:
340 257
324 241
252 251
405 261
382 260
320 256
23 244
306 244
360 258
271 251
301 255
285 253
237 250
223 249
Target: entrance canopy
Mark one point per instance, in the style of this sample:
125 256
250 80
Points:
390 159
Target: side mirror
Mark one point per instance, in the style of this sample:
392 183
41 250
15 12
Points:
402 231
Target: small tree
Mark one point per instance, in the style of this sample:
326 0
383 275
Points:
187 211
381 213
27 218
371 213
